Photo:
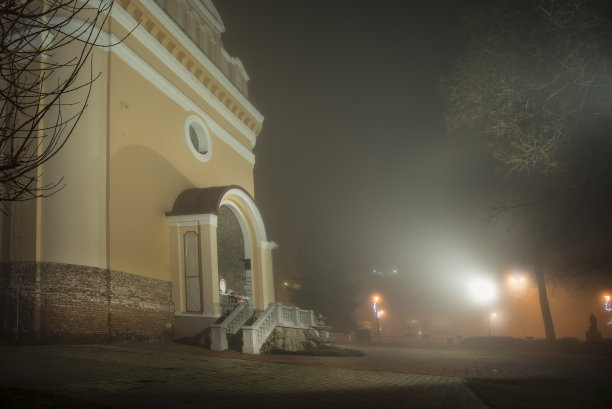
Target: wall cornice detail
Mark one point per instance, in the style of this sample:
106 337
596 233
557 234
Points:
165 39
113 44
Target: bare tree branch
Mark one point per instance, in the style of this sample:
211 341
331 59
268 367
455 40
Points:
36 85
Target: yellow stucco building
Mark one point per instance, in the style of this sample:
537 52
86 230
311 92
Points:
158 205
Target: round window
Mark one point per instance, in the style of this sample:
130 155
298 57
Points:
198 138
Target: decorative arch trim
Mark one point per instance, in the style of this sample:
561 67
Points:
247 202
200 201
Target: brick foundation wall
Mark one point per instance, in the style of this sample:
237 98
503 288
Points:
68 303
291 339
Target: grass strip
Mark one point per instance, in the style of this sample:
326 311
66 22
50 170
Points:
544 393
20 398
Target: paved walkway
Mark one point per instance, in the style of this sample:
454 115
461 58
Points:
181 376
433 361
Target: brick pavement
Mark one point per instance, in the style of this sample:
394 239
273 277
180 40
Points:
148 377
432 361
171 375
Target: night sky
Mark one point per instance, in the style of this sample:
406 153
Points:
354 150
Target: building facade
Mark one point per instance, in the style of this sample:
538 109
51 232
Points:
158 205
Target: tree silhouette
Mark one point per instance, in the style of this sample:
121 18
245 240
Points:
534 88
38 87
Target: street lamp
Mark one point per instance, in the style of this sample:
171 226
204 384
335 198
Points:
484 291
518 283
490 322
607 306
378 313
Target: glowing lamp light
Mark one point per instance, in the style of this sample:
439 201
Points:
483 291
517 281
607 304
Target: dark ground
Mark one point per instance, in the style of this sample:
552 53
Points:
181 376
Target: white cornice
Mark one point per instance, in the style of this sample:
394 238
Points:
194 50
213 17
112 43
188 220
155 78
142 35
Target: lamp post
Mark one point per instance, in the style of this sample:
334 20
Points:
376 312
490 320
484 292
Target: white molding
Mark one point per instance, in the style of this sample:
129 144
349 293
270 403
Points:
194 119
196 315
112 43
214 18
235 60
253 212
142 35
189 220
149 73
270 245
194 50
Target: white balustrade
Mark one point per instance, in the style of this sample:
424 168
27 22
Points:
230 325
254 336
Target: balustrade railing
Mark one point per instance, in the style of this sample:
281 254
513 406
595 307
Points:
254 336
230 325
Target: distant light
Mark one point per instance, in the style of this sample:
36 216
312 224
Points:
483 291
517 281
607 304
375 304
395 271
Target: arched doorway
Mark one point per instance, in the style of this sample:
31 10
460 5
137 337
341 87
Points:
234 250
233 247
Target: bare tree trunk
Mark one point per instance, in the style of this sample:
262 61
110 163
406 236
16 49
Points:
538 267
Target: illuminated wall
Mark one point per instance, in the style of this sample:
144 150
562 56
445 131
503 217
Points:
167 113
